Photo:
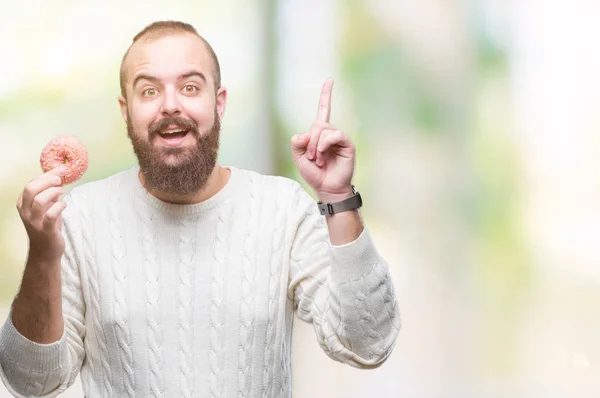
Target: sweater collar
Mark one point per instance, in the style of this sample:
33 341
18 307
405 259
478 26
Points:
231 190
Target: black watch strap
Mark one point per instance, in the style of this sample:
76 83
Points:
353 202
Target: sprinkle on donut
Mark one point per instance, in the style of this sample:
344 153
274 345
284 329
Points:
68 151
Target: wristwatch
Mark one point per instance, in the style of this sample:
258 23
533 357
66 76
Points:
353 202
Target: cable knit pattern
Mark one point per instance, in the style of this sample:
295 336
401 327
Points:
367 323
388 294
37 384
248 292
284 376
274 291
72 299
176 321
185 295
218 273
152 271
96 313
118 253
286 367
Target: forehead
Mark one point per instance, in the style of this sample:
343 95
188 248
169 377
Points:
168 57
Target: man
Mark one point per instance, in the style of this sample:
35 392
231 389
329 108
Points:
180 277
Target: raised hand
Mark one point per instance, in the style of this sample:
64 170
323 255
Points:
325 156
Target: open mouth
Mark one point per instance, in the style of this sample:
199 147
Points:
173 136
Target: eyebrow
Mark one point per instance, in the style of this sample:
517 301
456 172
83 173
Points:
181 77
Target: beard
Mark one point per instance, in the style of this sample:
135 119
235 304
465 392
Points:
192 167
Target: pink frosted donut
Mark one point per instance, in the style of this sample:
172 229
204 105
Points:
65 150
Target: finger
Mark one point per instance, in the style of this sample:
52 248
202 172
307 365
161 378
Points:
20 202
53 215
49 179
335 138
319 154
324 110
315 134
299 143
44 200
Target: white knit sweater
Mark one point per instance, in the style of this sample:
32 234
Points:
198 300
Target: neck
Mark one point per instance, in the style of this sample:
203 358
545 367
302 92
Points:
217 180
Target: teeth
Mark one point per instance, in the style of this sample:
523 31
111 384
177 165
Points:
173 131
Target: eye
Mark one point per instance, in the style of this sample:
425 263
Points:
149 92
190 89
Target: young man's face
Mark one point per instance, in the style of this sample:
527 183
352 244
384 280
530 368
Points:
172 110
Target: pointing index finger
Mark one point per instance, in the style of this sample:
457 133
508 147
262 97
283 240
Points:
324 110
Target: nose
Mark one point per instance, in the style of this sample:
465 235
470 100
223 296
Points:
170 105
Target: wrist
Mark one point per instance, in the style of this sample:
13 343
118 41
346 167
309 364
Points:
39 259
334 197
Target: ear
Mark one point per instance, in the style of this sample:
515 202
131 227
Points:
123 106
221 101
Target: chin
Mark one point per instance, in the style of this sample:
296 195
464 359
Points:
175 161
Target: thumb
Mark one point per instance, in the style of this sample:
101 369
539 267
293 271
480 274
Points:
299 144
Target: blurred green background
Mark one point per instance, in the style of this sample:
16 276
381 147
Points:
477 140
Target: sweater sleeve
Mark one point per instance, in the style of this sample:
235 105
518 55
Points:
45 370
345 291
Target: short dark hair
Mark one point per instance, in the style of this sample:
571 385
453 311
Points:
159 29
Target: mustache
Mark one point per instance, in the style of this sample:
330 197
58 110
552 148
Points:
162 124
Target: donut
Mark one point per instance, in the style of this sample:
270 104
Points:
65 150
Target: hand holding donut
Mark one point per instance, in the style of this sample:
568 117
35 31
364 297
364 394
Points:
40 209
325 156
63 160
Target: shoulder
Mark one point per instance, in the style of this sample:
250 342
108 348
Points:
280 191
273 185
99 191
